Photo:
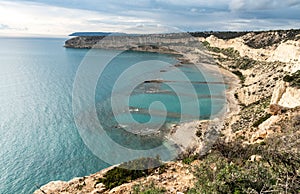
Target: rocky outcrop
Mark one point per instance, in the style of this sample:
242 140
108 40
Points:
276 109
286 96
288 51
290 98
87 184
278 92
176 178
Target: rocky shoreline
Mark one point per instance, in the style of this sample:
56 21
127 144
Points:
259 105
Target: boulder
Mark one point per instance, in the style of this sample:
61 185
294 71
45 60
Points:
276 109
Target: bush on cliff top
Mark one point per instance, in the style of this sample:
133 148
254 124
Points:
228 169
217 175
130 171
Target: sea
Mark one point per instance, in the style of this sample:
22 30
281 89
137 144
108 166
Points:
68 113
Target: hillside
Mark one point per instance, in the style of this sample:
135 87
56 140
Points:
257 150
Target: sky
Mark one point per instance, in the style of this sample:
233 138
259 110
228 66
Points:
55 18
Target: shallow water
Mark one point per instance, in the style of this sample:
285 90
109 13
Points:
40 141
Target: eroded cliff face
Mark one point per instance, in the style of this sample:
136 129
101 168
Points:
263 95
271 64
289 53
239 45
285 95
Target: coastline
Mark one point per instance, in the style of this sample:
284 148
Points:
188 130
248 119
181 132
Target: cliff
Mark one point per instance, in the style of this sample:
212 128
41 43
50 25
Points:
263 71
257 40
258 149
155 42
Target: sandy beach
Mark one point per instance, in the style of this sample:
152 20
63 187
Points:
184 134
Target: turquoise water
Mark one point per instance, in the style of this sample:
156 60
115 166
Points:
40 141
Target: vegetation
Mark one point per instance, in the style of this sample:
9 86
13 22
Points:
148 189
227 169
222 35
129 171
240 75
199 133
206 44
264 39
245 63
189 159
261 120
230 52
217 175
293 79
188 156
271 166
250 113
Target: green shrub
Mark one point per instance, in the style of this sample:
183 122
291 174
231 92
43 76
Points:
288 78
231 52
227 169
215 49
245 63
293 79
240 75
130 171
148 189
236 95
261 120
188 156
216 174
189 159
199 133
206 44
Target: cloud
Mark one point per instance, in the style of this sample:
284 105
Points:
41 19
291 3
7 27
56 17
198 3
237 4
152 28
3 26
246 5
